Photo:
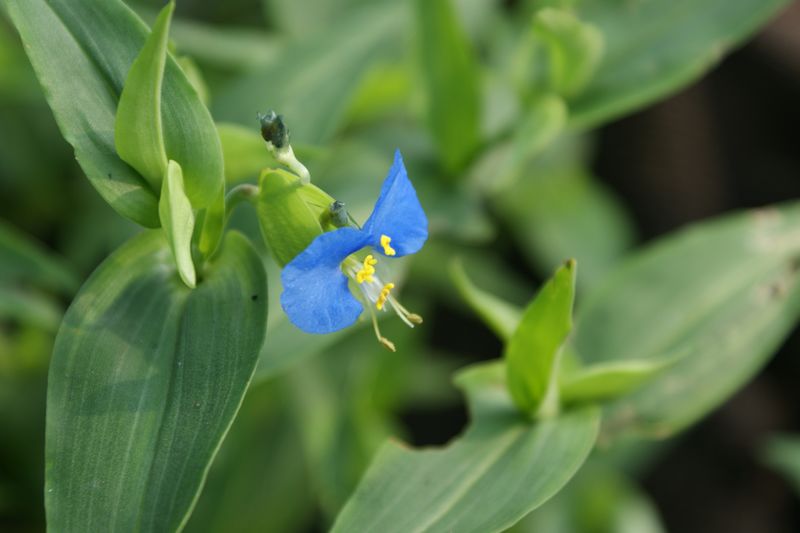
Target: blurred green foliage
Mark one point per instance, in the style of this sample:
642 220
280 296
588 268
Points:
493 105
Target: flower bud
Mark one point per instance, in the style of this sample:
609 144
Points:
273 129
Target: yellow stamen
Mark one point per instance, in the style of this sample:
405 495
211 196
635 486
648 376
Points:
367 270
385 241
384 295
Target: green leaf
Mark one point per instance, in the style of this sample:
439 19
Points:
312 82
30 308
145 380
258 465
500 167
574 49
81 51
533 350
655 47
725 293
598 500
782 453
177 219
301 18
610 380
502 468
450 78
26 261
502 317
138 136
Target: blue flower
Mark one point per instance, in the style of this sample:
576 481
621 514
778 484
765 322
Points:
316 283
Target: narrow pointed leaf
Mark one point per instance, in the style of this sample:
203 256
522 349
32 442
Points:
502 317
27 261
610 380
138 134
82 51
145 380
450 78
501 469
532 351
177 219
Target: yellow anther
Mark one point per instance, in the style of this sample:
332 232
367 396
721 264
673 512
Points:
385 241
384 295
367 270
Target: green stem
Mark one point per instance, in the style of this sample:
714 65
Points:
244 192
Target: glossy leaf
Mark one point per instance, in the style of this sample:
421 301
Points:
533 350
450 78
502 468
145 380
724 292
177 219
138 134
81 51
502 317
655 47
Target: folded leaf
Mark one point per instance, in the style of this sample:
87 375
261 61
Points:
145 380
82 51
138 136
533 350
501 469
177 219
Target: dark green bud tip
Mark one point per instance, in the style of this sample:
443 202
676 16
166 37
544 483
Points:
273 129
339 216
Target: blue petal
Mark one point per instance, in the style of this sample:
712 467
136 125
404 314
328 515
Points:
398 213
315 294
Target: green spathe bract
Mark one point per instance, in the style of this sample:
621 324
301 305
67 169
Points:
290 213
145 380
533 350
